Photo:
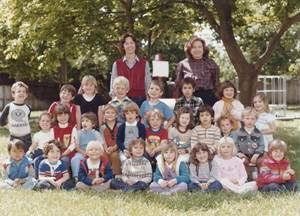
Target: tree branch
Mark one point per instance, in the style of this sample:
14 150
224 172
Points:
209 15
285 25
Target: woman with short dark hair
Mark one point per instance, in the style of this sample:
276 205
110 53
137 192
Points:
135 69
201 68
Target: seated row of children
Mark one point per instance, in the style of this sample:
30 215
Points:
172 174
117 134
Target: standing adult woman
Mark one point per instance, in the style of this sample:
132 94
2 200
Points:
201 68
135 69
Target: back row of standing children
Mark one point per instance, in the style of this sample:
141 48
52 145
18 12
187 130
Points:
120 126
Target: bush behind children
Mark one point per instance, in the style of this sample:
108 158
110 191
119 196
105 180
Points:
98 148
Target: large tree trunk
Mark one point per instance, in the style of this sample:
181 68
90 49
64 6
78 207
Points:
63 71
247 84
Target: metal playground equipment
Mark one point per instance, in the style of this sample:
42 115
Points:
275 88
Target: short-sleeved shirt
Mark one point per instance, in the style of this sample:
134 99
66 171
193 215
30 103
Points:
147 107
43 137
262 122
89 106
56 170
154 138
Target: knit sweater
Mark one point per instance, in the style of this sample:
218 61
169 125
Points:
137 170
210 136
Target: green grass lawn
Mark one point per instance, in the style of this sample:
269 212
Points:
117 203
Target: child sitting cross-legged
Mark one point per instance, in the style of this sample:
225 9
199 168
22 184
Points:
200 170
84 136
171 174
18 171
136 171
275 172
95 172
229 169
53 173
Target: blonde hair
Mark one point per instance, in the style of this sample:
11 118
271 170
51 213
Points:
18 84
172 147
227 140
121 80
249 111
88 79
95 143
265 100
155 113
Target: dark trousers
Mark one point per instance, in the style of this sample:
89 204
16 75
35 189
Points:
214 186
118 184
208 96
44 184
276 187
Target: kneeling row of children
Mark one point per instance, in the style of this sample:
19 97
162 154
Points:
172 174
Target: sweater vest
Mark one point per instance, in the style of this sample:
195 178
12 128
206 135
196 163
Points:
135 75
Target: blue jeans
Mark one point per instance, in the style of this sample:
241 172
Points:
118 184
75 163
214 186
276 187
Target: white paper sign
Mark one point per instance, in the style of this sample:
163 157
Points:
160 68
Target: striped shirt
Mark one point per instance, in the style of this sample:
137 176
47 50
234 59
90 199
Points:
209 136
137 170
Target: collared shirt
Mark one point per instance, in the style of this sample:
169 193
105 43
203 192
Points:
193 104
204 71
130 64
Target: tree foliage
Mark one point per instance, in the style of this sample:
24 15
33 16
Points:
62 40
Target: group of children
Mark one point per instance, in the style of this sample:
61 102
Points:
91 145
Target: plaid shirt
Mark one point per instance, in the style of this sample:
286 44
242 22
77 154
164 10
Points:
194 105
204 71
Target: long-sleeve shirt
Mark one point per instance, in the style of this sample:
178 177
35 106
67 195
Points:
88 171
249 144
200 173
236 111
137 170
271 171
130 64
231 169
21 170
16 117
210 136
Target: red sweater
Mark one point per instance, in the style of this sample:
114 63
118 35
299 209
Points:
135 75
63 135
271 171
